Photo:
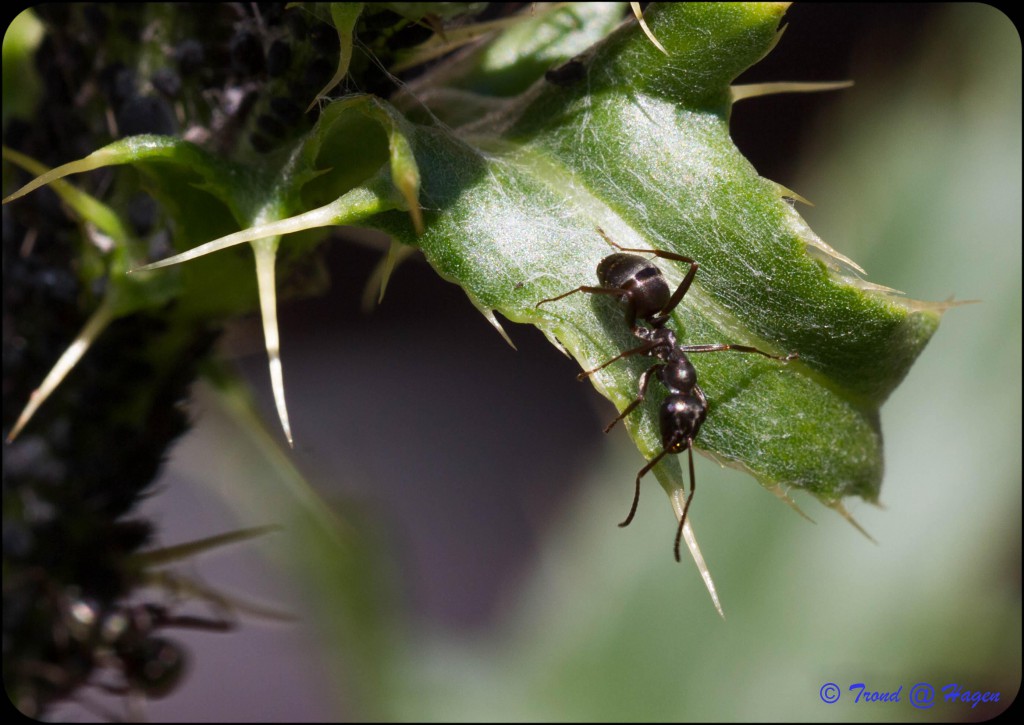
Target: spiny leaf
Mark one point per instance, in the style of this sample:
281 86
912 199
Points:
122 296
258 201
634 141
640 147
635 7
755 90
187 586
86 206
377 282
451 40
344 16
171 554
349 209
95 325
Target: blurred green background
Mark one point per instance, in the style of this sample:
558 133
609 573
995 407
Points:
478 573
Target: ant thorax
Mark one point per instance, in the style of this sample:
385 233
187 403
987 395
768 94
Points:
664 340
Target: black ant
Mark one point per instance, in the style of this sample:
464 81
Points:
640 285
150 664
116 648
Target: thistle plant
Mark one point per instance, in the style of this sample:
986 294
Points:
496 146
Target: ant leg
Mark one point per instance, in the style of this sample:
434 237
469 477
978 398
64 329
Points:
157 616
737 348
636 496
656 252
199 623
591 290
686 506
680 292
683 287
644 380
642 350
620 292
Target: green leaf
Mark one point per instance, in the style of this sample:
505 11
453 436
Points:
640 147
635 142
551 34
21 82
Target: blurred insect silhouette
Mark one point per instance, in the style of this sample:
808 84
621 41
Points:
115 640
644 292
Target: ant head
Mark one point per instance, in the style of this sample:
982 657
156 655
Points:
681 417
